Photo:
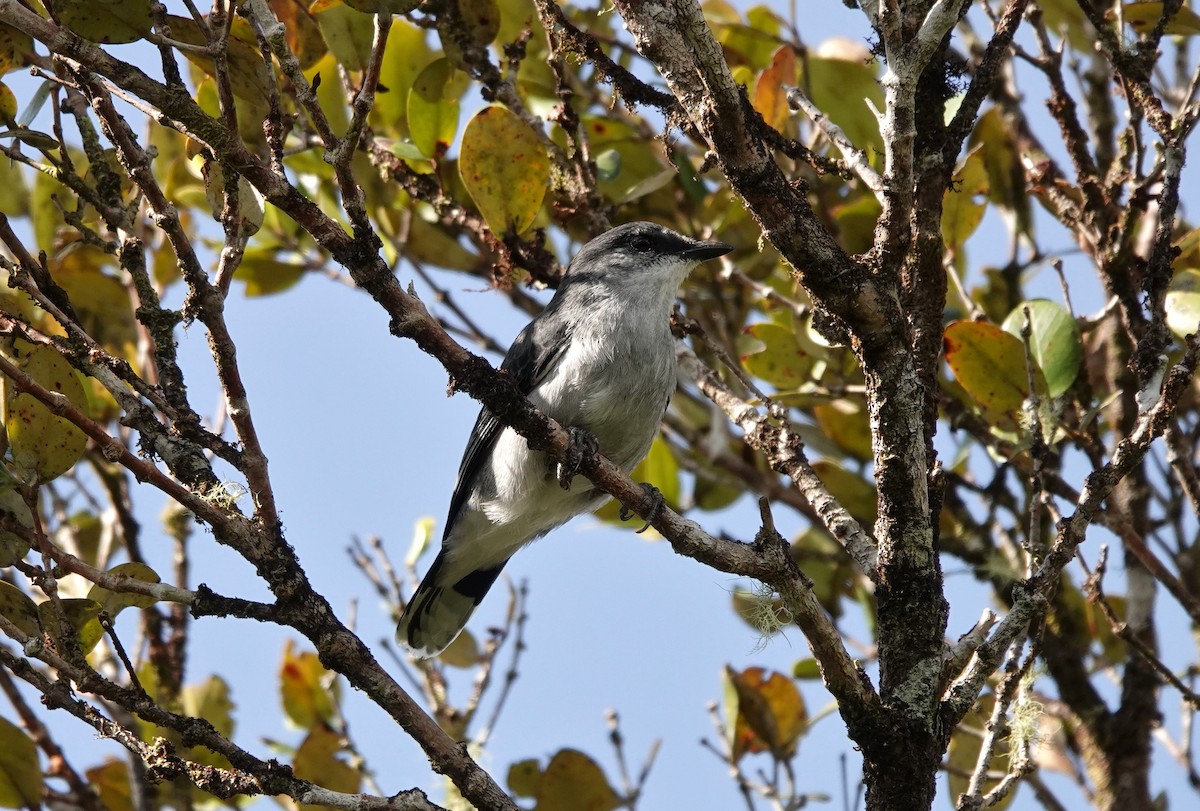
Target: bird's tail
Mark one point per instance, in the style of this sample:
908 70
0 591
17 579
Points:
438 609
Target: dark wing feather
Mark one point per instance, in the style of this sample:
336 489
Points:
532 355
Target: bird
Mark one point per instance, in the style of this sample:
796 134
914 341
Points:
599 360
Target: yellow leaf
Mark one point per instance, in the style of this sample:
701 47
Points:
573 782
307 688
990 364
44 446
111 782
1142 17
316 760
770 94
433 107
109 21
505 169
765 712
961 212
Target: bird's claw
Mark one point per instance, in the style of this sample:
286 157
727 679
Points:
581 445
653 493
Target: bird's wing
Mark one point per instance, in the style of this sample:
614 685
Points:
532 356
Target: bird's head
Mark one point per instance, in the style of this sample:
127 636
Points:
641 255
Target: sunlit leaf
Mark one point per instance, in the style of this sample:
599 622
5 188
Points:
115 601
316 760
406 54
524 777
44 446
108 21
961 210
307 688
782 361
211 701
765 711
15 48
349 35
770 94
264 274
505 169
82 615
1054 341
383 6
422 535
573 782
839 77
20 771
990 364
1143 17
660 469
433 107
845 422
1183 303
806 669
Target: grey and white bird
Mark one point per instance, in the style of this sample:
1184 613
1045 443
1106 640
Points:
600 359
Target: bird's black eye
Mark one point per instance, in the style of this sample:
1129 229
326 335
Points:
641 244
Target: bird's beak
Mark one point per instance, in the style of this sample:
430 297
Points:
702 251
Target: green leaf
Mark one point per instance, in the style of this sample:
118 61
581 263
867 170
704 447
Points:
403 59
264 274
505 169
660 469
806 669
18 608
781 361
107 21
1183 303
433 107
1054 341
479 19
845 422
524 777
852 491
990 364
210 700
13 547
349 35
115 601
573 782
961 212
44 446
82 614
21 779
15 48
839 77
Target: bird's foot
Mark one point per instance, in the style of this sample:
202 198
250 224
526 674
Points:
651 492
581 445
